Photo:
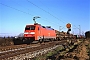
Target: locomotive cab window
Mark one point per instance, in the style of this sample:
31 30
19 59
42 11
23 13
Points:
30 28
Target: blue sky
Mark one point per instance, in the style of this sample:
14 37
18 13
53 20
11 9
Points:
15 14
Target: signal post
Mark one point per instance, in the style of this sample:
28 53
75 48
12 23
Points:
69 29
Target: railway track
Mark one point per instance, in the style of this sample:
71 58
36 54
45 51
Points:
14 52
11 51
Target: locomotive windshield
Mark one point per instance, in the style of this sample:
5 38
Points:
30 28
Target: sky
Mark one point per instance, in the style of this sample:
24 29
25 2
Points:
16 14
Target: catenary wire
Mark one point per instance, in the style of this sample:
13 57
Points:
45 11
16 9
45 19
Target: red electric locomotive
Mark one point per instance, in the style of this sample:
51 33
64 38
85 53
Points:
37 32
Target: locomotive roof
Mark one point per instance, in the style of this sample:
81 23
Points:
47 27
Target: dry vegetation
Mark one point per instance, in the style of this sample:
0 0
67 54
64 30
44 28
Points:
6 42
82 52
